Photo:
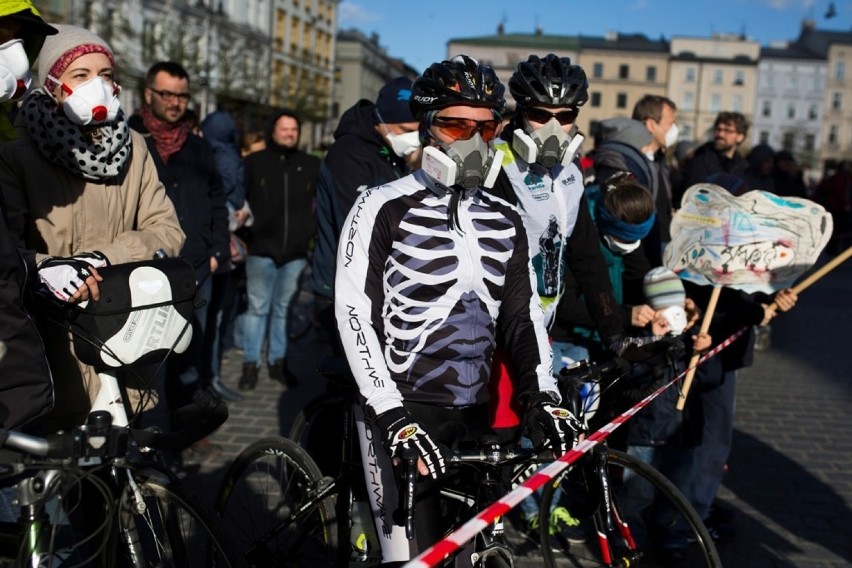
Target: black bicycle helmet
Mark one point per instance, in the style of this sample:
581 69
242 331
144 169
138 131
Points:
549 81
459 81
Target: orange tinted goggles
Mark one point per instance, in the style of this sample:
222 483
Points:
465 128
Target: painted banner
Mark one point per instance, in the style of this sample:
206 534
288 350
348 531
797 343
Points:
755 242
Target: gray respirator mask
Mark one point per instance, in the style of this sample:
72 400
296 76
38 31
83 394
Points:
467 163
549 145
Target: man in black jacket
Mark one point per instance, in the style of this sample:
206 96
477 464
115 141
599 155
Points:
187 169
720 156
280 184
374 143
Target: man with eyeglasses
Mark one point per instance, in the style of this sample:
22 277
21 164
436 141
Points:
430 269
720 155
541 176
187 168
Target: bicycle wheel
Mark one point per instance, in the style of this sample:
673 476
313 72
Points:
162 525
315 425
630 532
265 506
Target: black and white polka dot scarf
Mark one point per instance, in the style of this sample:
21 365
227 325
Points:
65 143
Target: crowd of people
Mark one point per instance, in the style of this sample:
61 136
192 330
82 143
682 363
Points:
460 254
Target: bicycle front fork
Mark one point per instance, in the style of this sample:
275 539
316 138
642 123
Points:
609 524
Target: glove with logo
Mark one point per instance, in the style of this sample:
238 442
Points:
545 423
403 433
63 276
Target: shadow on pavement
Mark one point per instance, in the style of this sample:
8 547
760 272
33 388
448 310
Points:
784 492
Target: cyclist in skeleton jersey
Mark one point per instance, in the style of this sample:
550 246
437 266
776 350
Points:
429 267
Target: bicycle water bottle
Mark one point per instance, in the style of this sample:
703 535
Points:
359 542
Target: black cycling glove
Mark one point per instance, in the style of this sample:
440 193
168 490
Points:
546 423
401 433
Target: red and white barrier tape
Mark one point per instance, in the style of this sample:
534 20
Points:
455 540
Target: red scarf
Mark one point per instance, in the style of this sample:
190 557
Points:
168 137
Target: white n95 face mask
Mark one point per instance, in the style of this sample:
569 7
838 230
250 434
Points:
404 144
92 102
15 76
671 136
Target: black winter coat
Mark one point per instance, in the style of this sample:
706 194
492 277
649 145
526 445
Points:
280 186
358 157
707 161
193 184
26 388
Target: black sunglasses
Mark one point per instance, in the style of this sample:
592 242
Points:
542 116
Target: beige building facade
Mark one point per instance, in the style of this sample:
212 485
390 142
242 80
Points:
837 123
621 70
711 75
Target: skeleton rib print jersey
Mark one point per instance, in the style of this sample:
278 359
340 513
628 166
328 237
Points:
417 303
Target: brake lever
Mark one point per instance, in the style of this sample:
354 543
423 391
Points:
408 490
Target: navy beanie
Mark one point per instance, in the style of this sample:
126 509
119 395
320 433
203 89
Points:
392 103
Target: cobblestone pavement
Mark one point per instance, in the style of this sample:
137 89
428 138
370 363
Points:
790 475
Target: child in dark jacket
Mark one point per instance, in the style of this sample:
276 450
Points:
659 434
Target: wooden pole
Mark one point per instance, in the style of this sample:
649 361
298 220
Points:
819 273
705 326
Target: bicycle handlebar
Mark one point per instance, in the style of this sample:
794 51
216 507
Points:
586 371
99 438
489 452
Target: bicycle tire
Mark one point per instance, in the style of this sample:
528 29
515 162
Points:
318 422
173 530
701 553
268 482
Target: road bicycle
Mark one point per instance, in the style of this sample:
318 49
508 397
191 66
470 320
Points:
97 494
281 509
277 498
594 489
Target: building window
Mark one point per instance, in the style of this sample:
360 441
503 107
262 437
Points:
794 81
596 99
686 132
813 112
688 102
739 78
718 76
764 137
836 100
689 75
737 103
651 73
597 70
832 134
715 102
791 110
840 70
621 100
623 71
788 141
767 108
810 142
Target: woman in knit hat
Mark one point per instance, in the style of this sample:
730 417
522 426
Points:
79 183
